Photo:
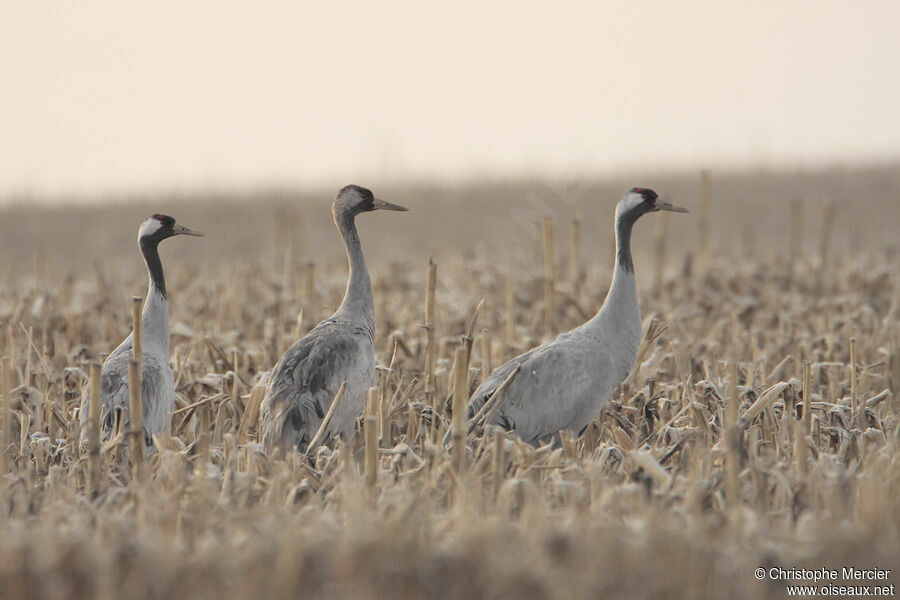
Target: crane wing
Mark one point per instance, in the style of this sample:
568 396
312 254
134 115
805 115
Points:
558 387
156 403
487 388
303 384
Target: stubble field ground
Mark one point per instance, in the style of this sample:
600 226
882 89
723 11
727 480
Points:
708 463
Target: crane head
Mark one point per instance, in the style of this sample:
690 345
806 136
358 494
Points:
159 227
354 199
640 201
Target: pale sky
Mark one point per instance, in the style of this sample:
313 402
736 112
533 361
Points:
117 96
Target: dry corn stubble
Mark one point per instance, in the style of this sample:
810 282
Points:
683 486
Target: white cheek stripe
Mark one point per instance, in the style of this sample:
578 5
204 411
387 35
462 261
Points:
628 202
632 200
149 227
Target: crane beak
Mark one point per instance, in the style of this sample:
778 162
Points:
382 205
182 230
663 205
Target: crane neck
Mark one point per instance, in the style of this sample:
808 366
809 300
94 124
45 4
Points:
155 314
150 251
358 303
620 311
624 225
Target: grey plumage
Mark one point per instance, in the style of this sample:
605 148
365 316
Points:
564 383
157 391
307 377
157 381
340 349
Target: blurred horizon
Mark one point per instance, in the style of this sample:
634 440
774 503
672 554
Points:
128 98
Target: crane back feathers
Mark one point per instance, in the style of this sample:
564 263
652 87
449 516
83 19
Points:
562 385
157 394
306 379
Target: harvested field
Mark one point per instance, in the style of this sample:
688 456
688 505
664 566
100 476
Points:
759 428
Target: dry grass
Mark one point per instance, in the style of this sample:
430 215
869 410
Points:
703 467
